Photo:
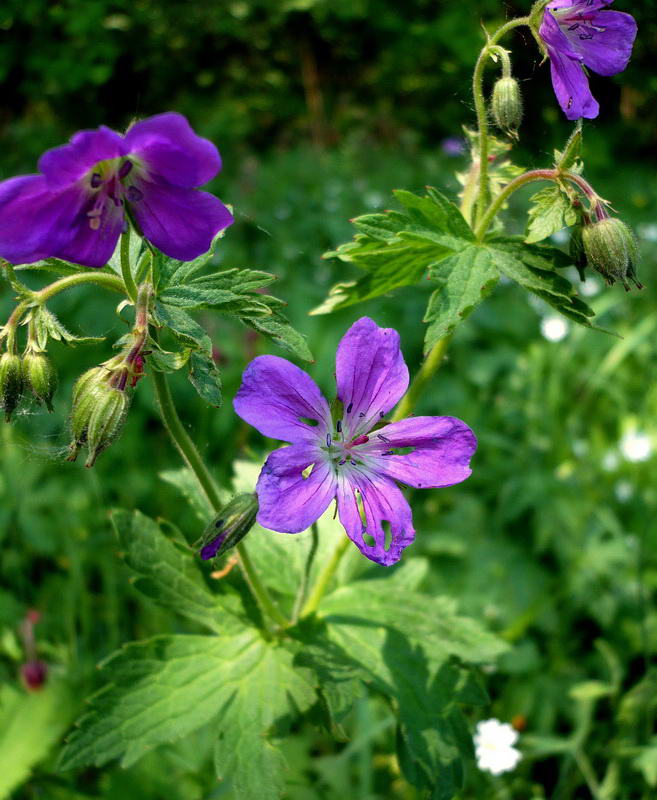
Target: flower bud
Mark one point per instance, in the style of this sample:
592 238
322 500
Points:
11 382
34 674
506 105
40 377
229 526
106 420
611 249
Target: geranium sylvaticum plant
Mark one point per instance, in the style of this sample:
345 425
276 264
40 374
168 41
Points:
126 212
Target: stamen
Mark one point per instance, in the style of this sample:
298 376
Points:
329 440
339 426
349 407
125 169
361 414
344 461
134 194
383 438
382 414
585 36
96 180
574 27
94 223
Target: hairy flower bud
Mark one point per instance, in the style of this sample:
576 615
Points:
40 377
611 249
229 526
106 421
99 411
506 104
11 382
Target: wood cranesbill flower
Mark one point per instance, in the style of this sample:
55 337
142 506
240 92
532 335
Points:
352 455
582 33
75 209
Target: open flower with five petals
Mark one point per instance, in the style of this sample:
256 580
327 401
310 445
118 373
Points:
582 33
352 456
75 209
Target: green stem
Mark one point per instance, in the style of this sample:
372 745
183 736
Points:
480 107
522 180
303 587
194 461
424 375
126 271
325 578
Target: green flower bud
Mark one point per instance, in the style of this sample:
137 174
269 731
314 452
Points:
11 382
91 376
229 526
506 105
40 377
108 413
611 249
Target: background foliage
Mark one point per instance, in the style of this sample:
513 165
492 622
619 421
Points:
320 109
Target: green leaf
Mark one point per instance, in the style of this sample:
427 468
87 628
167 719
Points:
464 279
204 377
551 210
397 249
186 483
569 158
31 723
532 267
170 575
182 326
55 265
164 688
404 643
279 330
134 249
164 360
46 325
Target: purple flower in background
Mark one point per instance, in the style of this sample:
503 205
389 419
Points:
75 209
577 34
453 146
349 458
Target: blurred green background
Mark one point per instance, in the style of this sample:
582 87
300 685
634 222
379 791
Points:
319 110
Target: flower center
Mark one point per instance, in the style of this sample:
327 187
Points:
111 180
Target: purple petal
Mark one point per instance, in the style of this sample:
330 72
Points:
169 148
288 501
578 5
92 239
571 86
605 41
66 164
382 501
554 37
180 222
35 221
371 374
442 449
278 398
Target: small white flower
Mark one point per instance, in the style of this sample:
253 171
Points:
636 446
554 328
494 749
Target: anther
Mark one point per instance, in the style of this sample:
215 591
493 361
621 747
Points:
382 414
361 414
328 440
383 438
339 426
574 27
349 407
344 461
134 194
125 169
96 180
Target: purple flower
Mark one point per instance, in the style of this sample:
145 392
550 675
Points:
75 209
348 458
577 34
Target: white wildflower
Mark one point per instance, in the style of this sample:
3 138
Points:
554 328
636 446
494 749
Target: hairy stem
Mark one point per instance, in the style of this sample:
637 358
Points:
522 180
191 456
480 107
303 587
41 296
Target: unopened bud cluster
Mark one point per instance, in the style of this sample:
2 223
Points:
229 526
32 374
